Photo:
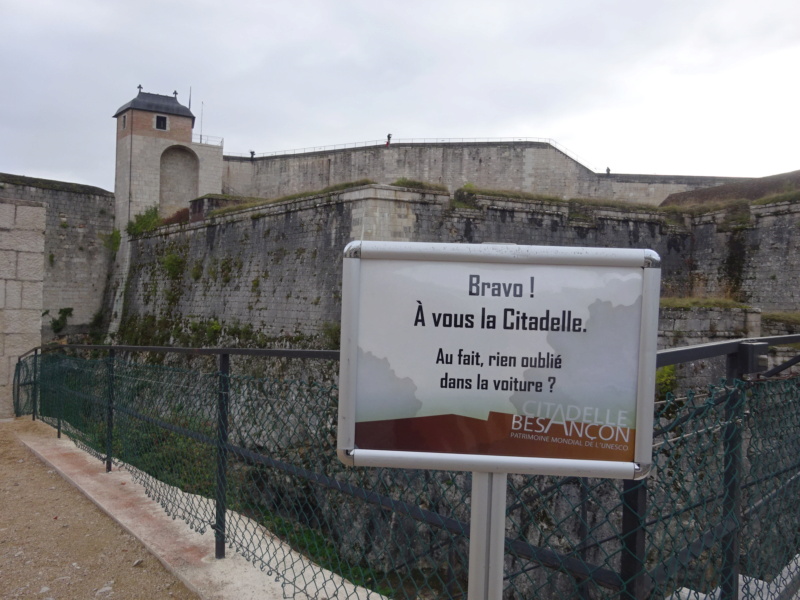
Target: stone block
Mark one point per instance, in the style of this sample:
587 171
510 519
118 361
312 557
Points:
17 344
6 402
32 294
30 266
6 215
22 240
23 320
31 217
8 264
13 296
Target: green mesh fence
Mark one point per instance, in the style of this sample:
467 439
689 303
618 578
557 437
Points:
720 511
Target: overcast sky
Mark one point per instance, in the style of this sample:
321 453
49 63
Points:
687 87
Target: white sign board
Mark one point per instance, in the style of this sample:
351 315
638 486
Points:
498 358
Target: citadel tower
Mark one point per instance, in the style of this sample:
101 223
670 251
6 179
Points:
159 161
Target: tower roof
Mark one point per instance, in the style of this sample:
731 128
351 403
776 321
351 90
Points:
156 103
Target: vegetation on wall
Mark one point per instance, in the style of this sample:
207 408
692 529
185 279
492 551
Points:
144 222
666 381
97 328
197 270
58 324
736 215
174 264
112 240
734 264
331 335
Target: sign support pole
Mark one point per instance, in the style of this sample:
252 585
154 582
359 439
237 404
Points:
487 536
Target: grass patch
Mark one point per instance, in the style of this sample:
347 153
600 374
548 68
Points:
247 202
472 190
788 318
790 196
737 216
50 184
694 302
419 185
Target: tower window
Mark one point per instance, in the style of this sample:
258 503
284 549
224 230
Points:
161 122
124 121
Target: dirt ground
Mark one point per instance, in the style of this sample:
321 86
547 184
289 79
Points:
56 544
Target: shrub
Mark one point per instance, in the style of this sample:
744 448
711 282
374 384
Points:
144 222
174 265
57 325
666 380
331 335
112 240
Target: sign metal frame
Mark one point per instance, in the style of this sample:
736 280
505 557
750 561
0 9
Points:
354 300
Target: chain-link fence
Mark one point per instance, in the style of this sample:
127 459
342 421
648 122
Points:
253 459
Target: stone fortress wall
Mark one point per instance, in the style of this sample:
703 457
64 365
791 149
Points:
533 167
77 257
277 268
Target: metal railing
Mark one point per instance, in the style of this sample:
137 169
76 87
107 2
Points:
210 140
253 458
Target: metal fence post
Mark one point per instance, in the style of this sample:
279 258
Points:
583 533
738 364
35 381
110 410
222 453
731 503
60 414
632 561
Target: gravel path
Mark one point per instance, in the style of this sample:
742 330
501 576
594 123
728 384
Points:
56 544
